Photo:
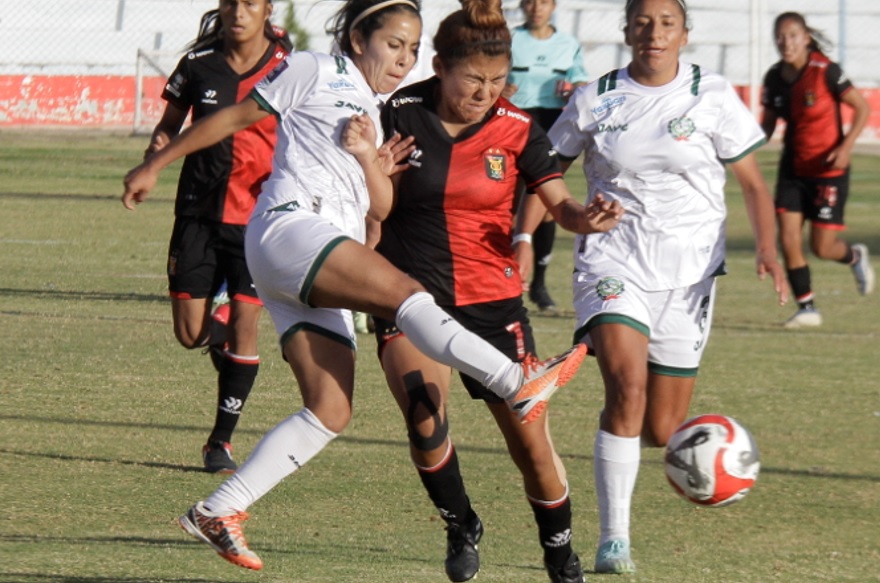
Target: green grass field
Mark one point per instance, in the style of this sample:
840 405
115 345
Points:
103 417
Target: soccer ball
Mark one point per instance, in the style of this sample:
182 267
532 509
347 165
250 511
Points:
712 460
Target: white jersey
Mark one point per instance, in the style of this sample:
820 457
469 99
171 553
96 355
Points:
313 95
660 152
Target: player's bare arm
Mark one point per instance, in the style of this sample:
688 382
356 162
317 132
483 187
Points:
762 215
206 132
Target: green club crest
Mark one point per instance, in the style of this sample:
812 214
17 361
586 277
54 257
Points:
681 128
609 288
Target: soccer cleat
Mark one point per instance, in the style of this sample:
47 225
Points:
862 270
361 325
613 557
804 318
541 297
570 572
462 556
217 456
223 533
541 379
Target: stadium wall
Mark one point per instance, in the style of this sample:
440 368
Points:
108 102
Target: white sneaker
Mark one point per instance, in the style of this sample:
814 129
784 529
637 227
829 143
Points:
804 318
862 270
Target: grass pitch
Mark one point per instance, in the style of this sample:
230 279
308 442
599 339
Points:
103 417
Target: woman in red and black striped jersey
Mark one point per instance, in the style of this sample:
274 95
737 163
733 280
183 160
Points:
218 186
451 230
806 89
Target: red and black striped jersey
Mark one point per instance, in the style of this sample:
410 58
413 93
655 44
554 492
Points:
221 183
451 225
810 106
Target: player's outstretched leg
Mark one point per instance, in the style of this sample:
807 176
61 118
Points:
223 533
541 379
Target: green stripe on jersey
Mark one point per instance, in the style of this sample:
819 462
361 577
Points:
695 84
608 82
264 105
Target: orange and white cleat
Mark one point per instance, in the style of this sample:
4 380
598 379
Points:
541 379
223 533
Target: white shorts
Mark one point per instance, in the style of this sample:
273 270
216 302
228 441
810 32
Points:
284 250
677 322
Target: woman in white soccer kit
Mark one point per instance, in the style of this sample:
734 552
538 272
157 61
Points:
304 249
655 136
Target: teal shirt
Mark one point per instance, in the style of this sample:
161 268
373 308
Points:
539 63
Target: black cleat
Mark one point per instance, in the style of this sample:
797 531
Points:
462 557
218 458
570 572
541 297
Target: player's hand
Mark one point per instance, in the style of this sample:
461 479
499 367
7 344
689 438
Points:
359 136
393 153
602 215
766 262
138 184
838 159
158 142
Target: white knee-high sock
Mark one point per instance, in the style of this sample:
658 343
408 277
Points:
439 336
616 466
282 451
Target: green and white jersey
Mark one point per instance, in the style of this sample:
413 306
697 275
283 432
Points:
313 95
660 151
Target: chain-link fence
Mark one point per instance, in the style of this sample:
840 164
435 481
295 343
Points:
103 62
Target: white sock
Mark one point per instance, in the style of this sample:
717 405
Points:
616 466
439 336
282 451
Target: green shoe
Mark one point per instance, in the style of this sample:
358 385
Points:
613 557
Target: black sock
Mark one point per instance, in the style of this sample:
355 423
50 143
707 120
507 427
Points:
850 258
542 243
801 286
235 380
554 531
445 488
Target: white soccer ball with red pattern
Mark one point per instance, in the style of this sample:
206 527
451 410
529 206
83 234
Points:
712 460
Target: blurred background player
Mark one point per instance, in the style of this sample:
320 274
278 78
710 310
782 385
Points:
655 136
218 186
547 67
806 89
450 229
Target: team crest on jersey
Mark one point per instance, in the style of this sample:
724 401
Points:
609 288
496 164
809 98
681 128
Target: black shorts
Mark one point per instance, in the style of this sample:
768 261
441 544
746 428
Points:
202 255
820 200
503 324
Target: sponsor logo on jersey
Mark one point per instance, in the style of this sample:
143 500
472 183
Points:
609 288
503 111
192 56
681 128
341 66
210 97
341 85
173 86
415 159
405 101
347 105
496 164
279 68
608 103
508 272
607 128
